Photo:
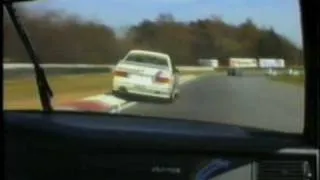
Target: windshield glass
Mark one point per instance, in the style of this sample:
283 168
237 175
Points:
238 62
146 59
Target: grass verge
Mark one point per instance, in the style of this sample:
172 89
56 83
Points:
296 80
196 72
23 93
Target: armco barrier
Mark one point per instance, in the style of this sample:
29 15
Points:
18 73
16 66
30 66
12 66
18 70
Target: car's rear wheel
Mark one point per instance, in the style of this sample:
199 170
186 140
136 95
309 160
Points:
114 92
173 97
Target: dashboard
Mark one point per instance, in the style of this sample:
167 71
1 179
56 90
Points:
86 146
62 165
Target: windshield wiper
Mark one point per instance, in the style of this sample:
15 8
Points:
44 89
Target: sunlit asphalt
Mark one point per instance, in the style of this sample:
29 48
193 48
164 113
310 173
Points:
253 101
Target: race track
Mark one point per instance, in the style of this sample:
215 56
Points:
249 101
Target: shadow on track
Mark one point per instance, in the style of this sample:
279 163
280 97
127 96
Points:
140 98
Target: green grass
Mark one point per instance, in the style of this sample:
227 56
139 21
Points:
296 80
22 93
196 72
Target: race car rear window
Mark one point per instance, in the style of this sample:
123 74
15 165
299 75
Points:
147 59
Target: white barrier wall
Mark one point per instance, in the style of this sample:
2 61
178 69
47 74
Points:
243 62
209 62
271 63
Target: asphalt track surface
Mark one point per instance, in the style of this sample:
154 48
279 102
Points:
253 101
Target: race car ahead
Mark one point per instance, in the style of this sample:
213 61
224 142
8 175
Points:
146 73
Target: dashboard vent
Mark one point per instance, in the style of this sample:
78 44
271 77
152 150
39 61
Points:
283 170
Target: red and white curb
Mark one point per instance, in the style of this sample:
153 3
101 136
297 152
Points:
107 103
100 103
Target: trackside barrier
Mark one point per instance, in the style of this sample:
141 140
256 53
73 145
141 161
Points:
26 66
30 66
16 66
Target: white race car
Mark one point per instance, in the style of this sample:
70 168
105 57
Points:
146 73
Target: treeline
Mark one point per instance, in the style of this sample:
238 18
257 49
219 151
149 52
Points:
61 38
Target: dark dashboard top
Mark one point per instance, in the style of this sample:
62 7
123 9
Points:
157 132
98 146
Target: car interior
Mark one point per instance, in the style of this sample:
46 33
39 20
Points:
70 145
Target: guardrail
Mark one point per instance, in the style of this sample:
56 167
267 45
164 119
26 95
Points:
16 66
12 66
30 66
18 70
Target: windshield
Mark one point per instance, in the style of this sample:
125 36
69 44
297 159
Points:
146 59
239 62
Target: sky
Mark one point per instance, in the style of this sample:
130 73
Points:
282 15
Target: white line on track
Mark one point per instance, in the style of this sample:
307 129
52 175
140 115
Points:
125 106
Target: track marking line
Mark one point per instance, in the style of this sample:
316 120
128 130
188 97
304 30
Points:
123 107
